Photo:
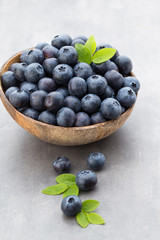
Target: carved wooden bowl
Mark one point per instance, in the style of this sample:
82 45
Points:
65 136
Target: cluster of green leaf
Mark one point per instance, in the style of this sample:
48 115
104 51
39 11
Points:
67 186
87 53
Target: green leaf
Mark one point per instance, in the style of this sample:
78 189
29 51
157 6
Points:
68 179
82 219
84 54
72 190
103 55
56 189
90 205
91 44
95 218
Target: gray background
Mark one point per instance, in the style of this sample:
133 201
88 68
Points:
129 185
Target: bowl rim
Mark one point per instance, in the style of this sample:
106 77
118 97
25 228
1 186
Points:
2 95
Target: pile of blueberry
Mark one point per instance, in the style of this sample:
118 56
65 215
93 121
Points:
50 85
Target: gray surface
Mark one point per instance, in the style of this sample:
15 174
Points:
129 186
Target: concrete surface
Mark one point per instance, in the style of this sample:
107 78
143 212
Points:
129 186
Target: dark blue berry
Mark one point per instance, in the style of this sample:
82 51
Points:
62 165
77 87
96 161
90 103
23 56
49 64
84 38
100 68
131 82
97 118
8 80
111 66
68 55
62 73
47 84
19 71
96 84
82 119
71 205
103 45
113 59
33 56
124 65
61 40
123 109
111 108
34 72
109 92
12 67
86 180
54 101
73 103
32 113
28 87
41 45
50 52
126 96
63 90
82 70
47 117
37 100
77 41
10 90
19 99
114 79
66 117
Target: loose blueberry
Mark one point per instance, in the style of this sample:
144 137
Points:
61 40
100 68
109 92
126 96
12 67
114 79
90 103
73 103
32 113
34 72
131 82
19 99
47 84
68 55
77 41
77 87
28 87
97 118
23 56
124 64
82 119
103 45
49 64
62 165
33 56
62 73
111 108
84 38
96 161
113 59
71 205
41 45
47 117
63 90
50 52
123 109
96 84
54 101
66 117
19 71
111 66
86 180
8 80
37 100
10 90
82 70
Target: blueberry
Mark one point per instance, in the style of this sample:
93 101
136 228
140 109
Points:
71 205
62 165
90 103
96 84
19 99
61 40
113 59
66 117
12 67
86 180
23 55
37 100
41 45
84 38
68 55
77 41
62 73
33 56
47 84
19 71
28 87
77 87
50 52
82 70
82 119
111 66
111 108
32 113
73 103
34 72
103 45
109 92
131 82
49 64
100 68
10 90
126 96
54 101
96 161
47 117
97 118
124 64
114 79
123 109
8 80
63 90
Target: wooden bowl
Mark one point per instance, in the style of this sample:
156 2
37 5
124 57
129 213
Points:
65 136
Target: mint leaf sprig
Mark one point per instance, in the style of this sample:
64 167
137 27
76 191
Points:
86 216
87 54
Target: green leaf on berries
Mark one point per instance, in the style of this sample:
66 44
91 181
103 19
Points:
55 189
84 54
91 44
68 179
82 219
72 190
103 55
90 205
95 218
